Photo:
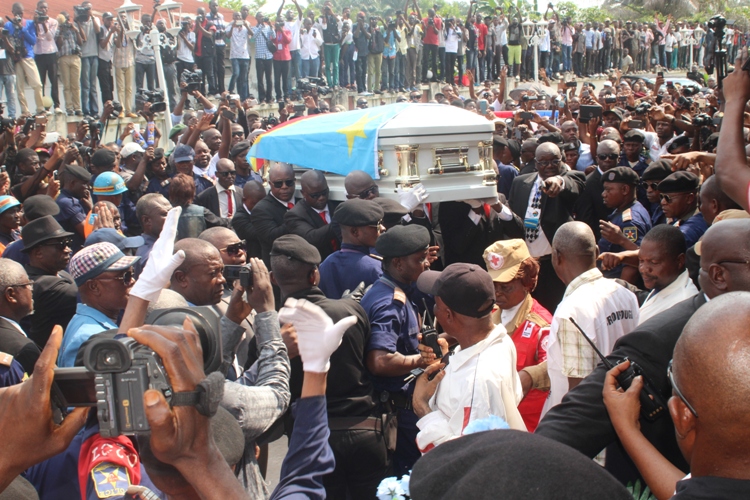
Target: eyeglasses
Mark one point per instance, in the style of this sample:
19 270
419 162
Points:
677 391
367 192
669 198
378 224
227 173
287 183
127 277
653 185
612 156
238 134
61 244
546 163
234 248
23 285
317 195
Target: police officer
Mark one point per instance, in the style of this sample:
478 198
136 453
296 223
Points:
679 200
361 223
393 307
356 427
75 202
633 157
652 176
629 222
11 371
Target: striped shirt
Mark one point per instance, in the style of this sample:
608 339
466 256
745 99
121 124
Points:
261 35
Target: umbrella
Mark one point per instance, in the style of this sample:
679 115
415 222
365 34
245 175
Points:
515 94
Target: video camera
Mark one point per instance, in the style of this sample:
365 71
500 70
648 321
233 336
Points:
244 273
269 122
81 13
193 79
6 123
313 83
643 108
84 151
95 126
116 110
40 17
155 97
684 102
702 120
116 372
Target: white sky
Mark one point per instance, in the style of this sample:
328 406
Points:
273 5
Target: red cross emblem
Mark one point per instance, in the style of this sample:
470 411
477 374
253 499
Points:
495 261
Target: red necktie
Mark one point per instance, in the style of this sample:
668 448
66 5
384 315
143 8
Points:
486 210
334 243
230 208
323 216
290 205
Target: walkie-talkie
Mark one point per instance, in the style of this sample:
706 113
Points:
430 339
653 405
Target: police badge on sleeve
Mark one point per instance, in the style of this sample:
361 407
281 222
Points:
110 480
631 233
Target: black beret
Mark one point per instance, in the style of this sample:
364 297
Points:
553 137
622 175
634 136
403 240
711 142
505 464
39 205
357 212
679 141
239 148
392 210
78 172
571 146
103 158
679 182
658 170
297 248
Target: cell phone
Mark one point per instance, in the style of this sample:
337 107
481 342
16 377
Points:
229 114
622 98
610 100
635 124
525 115
571 84
483 105
588 112
659 99
660 74
238 23
299 108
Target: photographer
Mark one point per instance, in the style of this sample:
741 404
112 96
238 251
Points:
90 28
263 36
106 53
185 47
331 48
124 63
217 18
375 55
69 39
45 51
432 24
168 59
8 74
310 43
392 36
145 58
22 34
205 50
281 59
239 34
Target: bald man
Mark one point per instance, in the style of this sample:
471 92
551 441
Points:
603 309
223 199
268 214
590 208
581 420
252 193
544 201
359 184
312 217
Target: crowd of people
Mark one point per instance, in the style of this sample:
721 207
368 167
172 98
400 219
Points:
361 52
572 316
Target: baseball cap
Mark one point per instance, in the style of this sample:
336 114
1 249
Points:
109 184
183 152
504 258
111 235
177 129
130 148
7 202
96 259
465 288
104 158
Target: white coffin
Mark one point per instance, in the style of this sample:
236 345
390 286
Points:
447 149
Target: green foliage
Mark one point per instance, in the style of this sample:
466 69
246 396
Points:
639 492
236 5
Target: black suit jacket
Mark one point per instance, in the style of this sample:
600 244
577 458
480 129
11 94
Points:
590 208
304 221
209 198
268 222
581 420
555 211
18 345
242 224
465 241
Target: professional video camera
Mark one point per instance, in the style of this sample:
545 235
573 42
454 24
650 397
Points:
6 123
193 79
40 17
684 102
643 108
81 13
117 372
155 97
84 151
702 120
116 110
313 83
95 126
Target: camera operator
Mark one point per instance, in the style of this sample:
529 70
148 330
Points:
124 63
106 53
45 50
145 57
8 73
22 33
90 28
263 34
69 39
205 50
185 47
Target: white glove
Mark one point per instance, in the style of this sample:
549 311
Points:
161 263
473 203
412 198
317 336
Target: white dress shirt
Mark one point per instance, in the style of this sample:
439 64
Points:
224 202
540 246
660 300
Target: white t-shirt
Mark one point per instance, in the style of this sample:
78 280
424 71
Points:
310 45
293 27
238 44
184 53
451 41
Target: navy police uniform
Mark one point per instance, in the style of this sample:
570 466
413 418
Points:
655 173
692 224
634 222
11 371
394 313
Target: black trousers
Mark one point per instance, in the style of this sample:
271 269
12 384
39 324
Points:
263 70
361 463
206 64
450 66
549 289
47 66
429 61
280 78
106 83
219 68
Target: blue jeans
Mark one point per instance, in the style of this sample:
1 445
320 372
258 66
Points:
471 61
240 69
294 68
89 95
663 55
400 70
9 83
566 50
347 72
310 67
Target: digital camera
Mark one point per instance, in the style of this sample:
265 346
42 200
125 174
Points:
244 273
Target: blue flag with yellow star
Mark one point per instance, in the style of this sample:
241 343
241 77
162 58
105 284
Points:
332 142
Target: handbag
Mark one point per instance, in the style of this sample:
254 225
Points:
269 44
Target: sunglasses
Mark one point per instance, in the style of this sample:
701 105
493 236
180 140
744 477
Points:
613 156
280 184
234 248
652 185
677 391
367 192
546 163
127 277
62 244
669 198
227 173
317 195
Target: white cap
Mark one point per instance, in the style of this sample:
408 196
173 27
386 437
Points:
130 148
606 84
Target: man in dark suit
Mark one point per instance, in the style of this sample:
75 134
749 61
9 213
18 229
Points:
223 199
581 420
545 201
268 214
312 217
15 304
252 193
590 207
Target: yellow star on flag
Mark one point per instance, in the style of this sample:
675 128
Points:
356 129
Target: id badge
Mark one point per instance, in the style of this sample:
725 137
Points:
2 53
531 222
